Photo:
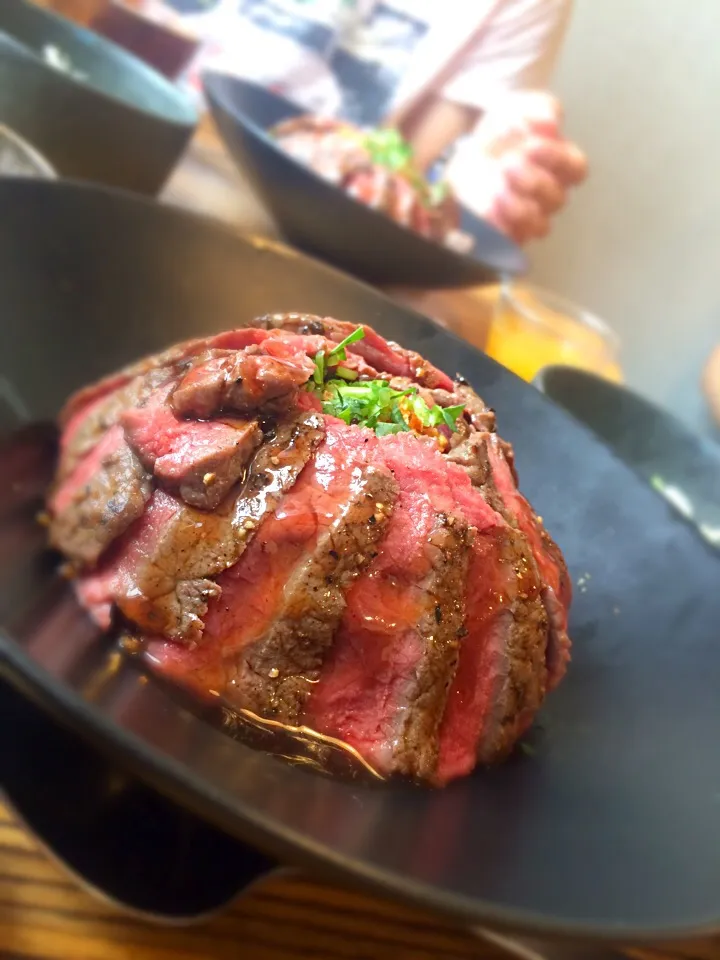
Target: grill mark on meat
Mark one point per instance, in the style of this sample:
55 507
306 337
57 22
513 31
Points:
152 589
105 494
439 627
277 670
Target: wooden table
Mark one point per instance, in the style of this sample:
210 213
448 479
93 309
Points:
44 914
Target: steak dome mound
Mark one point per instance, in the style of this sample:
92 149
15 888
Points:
323 529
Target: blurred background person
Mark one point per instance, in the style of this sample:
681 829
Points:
464 81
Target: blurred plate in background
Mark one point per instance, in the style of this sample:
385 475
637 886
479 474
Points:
322 219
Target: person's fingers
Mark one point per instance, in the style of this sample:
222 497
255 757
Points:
535 183
512 119
711 383
563 159
519 217
541 112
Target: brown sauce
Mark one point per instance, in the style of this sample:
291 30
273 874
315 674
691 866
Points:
300 746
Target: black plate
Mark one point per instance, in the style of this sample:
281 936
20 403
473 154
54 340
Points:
607 830
680 465
124 125
323 220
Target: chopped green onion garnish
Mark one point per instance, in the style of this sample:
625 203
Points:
371 403
385 429
451 414
319 373
339 353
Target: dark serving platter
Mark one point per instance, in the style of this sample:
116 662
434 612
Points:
121 124
323 220
604 831
681 465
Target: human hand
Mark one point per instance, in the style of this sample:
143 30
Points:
520 169
711 384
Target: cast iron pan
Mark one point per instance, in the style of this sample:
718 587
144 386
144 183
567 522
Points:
677 463
322 219
124 125
607 830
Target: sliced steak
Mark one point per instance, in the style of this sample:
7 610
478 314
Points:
472 454
88 425
489 462
383 355
557 589
384 686
105 493
201 460
278 668
501 677
159 575
242 383
481 416
179 353
379 355
264 648
406 601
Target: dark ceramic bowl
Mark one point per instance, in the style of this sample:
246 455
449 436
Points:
681 466
106 117
604 829
323 220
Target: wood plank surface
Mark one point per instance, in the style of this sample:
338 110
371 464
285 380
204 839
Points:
45 915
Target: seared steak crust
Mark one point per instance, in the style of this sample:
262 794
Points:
278 669
522 679
441 627
99 501
105 413
490 463
162 571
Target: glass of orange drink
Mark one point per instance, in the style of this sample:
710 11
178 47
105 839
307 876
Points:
533 328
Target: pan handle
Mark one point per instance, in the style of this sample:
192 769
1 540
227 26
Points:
118 837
